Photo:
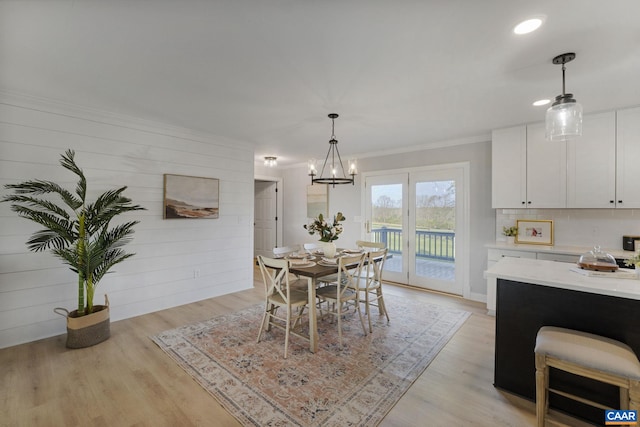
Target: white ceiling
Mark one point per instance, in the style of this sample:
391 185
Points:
400 73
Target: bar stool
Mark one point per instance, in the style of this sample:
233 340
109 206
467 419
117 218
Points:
587 355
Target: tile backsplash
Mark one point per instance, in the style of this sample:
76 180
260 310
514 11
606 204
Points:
578 227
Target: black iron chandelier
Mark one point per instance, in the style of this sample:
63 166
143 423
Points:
334 162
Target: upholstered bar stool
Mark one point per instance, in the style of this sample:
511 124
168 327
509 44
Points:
587 355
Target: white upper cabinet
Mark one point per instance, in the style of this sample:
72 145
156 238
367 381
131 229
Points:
509 167
546 170
628 158
600 169
591 163
527 170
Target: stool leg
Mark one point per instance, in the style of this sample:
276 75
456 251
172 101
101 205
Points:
634 395
542 387
624 398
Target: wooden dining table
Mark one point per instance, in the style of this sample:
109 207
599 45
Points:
312 274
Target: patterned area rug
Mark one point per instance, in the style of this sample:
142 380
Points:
355 385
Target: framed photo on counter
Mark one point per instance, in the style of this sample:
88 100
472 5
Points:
535 232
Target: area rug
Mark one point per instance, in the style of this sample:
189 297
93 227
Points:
353 385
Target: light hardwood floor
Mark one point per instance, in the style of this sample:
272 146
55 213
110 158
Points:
128 381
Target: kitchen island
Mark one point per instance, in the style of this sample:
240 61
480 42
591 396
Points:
532 293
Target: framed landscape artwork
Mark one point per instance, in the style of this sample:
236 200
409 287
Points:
190 197
537 232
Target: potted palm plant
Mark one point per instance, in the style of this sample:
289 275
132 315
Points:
79 233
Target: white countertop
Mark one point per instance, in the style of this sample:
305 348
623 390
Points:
559 275
569 250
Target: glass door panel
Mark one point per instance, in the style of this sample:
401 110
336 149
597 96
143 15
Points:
386 209
434 216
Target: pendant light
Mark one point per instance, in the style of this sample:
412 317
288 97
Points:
564 117
335 173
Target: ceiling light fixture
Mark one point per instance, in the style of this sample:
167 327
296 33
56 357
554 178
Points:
564 117
528 26
271 161
335 164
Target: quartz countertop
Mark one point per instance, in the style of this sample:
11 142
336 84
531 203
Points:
568 250
559 275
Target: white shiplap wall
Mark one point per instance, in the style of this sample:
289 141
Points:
176 262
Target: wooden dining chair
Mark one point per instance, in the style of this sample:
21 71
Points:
282 251
369 284
311 247
366 245
338 294
279 294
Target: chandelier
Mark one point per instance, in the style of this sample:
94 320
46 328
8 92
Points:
335 172
564 117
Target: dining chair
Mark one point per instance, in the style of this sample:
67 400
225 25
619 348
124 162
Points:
366 245
282 251
369 284
279 294
337 294
310 247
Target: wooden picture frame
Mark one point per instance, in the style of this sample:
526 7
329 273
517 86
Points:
317 200
191 197
535 232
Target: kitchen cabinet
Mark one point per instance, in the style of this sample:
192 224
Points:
628 155
527 170
591 164
597 170
546 170
509 167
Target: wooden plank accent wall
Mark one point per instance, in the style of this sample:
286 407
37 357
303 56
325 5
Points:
177 261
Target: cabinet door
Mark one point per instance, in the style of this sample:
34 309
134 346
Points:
508 167
628 155
591 163
546 170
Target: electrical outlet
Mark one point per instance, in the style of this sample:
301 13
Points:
196 273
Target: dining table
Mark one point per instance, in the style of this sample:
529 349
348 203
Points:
312 274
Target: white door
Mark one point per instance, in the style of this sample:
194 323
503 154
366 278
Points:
422 216
386 220
265 218
437 226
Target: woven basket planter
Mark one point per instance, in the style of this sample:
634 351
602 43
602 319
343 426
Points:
88 330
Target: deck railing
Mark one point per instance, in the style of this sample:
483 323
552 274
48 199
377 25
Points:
429 244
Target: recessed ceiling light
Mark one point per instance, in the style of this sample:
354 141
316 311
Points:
528 26
540 102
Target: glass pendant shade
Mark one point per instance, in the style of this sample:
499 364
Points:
564 121
564 117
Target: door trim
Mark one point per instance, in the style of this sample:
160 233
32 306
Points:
279 207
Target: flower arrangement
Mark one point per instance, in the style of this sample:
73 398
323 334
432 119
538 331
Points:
633 261
510 231
327 232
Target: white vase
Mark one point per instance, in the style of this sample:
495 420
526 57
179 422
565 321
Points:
329 249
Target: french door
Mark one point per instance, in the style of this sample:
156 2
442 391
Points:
422 217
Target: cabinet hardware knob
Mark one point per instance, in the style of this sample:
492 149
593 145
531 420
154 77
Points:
523 202
529 202
619 201
611 201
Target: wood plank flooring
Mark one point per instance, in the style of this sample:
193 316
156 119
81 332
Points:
128 381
